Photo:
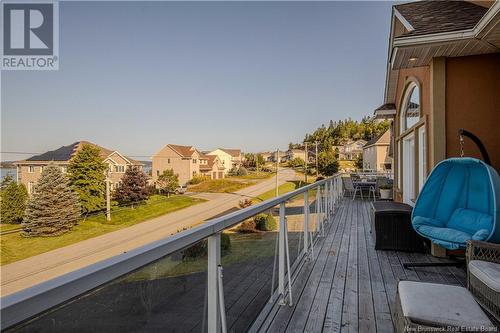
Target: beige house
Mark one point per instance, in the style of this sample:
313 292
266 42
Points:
211 166
279 156
442 74
230 158
30 170
295 153
351 151
376 153
184 160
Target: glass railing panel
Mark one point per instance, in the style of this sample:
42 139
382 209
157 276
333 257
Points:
168 295
250 268
295 220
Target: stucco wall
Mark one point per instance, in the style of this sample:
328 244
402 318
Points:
473 103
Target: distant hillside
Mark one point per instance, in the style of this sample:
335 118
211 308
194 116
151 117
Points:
7 165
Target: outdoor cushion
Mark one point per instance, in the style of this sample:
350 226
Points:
470 221
486 271
440 305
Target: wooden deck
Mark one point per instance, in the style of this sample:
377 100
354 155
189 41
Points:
349 286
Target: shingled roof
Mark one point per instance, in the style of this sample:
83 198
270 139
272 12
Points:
65 153
184 151
430 17
232 152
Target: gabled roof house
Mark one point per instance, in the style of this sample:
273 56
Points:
30 169
184 160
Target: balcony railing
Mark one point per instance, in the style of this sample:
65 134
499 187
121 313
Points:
191 281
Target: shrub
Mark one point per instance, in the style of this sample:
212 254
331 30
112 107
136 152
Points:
195 251
225 243
198 179
265 222
248 226
241 171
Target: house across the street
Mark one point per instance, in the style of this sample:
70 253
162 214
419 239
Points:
30 170
184 160
211 166
230 158
376 153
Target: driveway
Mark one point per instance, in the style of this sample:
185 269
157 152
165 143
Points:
31 271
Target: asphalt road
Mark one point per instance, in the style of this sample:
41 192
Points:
34 270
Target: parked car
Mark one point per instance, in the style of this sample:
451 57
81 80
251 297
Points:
181 189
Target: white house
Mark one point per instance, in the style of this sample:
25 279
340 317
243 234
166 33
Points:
230 158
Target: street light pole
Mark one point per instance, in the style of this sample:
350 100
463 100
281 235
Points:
317 172
277 165
305 164
108 200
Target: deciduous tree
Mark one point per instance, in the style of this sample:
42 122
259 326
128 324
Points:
168 181
133 187
53 208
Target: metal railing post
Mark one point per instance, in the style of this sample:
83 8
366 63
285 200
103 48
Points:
284 254
306 221
281 251
214 314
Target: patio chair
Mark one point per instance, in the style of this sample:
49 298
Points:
375 189
432 307
350 188
483 275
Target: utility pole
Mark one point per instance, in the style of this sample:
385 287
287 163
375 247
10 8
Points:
257 162
317 172
277 165
305 164
108 200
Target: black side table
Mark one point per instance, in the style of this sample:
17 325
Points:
392 229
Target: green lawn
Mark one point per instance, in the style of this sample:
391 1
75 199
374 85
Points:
255 175
220 186
244 247
15 247
282 189
7 227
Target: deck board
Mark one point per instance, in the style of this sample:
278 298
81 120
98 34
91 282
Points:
349 286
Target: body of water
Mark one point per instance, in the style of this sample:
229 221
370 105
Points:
5 172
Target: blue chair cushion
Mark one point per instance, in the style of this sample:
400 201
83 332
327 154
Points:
470 221
481 235
453 235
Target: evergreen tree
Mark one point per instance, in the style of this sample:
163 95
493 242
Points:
168 181
13 198
132 187
86 172
53 209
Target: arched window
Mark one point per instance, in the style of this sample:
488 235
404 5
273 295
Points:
410 112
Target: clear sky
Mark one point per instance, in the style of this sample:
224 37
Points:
253 75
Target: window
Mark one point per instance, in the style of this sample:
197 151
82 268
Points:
31 187
194 160
41 168
410 114
31 169
119 168
157 172
194 173
64 169
168 160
